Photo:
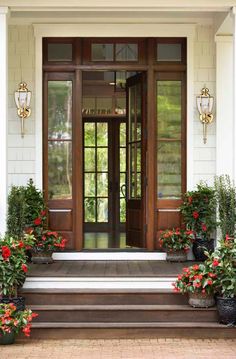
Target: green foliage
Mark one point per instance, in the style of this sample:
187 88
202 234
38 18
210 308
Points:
12 320
196 279
199 211
13 265
16 211
222 262
24 205
226 200
34 202
176 239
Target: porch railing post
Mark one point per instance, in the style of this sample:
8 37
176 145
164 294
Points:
234 90
225 138
4 117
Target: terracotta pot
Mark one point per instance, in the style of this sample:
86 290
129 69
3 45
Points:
200 246
176 256
42 257
201 300
7 338
226 310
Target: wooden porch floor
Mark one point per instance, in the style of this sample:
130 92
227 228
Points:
107 269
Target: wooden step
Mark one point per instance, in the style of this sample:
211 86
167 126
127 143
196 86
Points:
103 297
123 313
102 330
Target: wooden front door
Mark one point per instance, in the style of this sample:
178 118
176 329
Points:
136 159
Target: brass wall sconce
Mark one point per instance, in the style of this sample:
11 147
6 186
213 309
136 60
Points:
205 104
22 100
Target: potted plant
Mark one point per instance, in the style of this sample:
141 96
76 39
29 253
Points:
226 203
222 265
13 269
177 243
199 214
198 282
13 321
44 241
25 203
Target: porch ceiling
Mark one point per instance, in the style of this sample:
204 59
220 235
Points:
200 5
98 15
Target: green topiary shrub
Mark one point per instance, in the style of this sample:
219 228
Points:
25 203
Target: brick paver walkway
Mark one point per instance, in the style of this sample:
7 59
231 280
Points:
125 349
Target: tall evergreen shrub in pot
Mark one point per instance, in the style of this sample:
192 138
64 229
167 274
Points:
25 203
199 214
226 205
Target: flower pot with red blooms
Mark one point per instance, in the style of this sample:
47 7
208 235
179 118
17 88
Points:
176 243
13 321
45 241
199 214
221 263
45 244
13 269
198 282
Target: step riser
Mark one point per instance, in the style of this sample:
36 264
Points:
132 333
104 299
122 316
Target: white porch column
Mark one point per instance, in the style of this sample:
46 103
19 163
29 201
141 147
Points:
225 158
3 117
234 87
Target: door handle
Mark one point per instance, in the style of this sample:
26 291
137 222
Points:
123 190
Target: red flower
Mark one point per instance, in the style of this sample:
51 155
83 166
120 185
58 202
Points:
26 330
215 263
195 267
195 215
24 268
38 221
43 213
212 275
6 252
21 244
190 199
209 282
197 285
227 237
204 227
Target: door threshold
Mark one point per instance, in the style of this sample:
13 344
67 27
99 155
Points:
109 256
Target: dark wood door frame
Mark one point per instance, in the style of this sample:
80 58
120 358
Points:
76 67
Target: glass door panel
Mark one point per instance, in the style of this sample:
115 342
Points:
169 139
104 180
96 172
136 152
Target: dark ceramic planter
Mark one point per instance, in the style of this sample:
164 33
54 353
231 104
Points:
19 302
176 256
200 246
226 310
42 257
7 338
201 300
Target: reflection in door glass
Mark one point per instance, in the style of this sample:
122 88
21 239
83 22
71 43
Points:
169 115
59 169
